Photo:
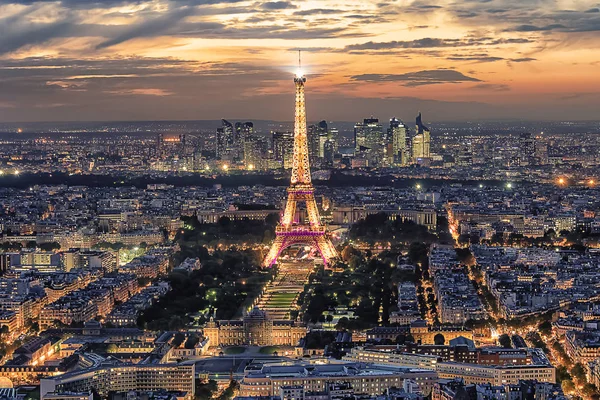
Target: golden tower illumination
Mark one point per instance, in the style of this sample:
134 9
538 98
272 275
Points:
290 232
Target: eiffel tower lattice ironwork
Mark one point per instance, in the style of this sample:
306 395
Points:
290 232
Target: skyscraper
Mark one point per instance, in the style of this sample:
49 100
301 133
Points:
368 134
420 142
398 135
312 137
224 140
159 144
334 138
283 147
527 149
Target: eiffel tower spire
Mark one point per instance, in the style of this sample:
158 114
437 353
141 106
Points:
290 232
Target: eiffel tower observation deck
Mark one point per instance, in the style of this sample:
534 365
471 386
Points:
301 190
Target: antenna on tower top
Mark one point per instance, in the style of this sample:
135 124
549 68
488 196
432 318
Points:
300 59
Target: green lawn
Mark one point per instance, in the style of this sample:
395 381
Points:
234 350
268 349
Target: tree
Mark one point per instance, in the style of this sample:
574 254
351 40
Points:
578 371
205 390
568 386
342 324
230 391
589 390
562 374
111 348
545 328
505 341
51 246
439 339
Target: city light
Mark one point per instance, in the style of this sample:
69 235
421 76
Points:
509 185
591 182
17 172
250 167
418 186
225 167
562 181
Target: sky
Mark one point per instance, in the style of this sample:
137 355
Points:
453 60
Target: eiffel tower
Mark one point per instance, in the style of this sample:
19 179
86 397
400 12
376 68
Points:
290 232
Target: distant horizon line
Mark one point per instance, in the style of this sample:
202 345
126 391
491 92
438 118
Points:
292 121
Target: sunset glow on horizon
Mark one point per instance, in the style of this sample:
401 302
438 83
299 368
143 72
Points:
204 59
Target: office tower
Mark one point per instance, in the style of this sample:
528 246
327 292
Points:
334 137
541 152
228 132
283 147
368 134
420 142
329 152
289 232
464 156
312 138
323 136
183 144
247 130
398 135
246 134
527 153
253 153
5 262
224 140
159 144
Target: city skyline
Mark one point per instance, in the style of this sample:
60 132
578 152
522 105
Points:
193 60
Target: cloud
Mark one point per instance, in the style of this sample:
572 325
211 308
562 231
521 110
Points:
533 28
418 78
317 11
496 87
475 58
433 43
523 59
277 5
152 27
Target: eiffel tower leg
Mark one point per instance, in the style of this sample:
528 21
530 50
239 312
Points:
325 249
278 245
290 211
312 211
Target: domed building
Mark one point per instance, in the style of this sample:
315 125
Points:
255 329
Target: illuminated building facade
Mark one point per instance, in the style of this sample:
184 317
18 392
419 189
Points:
421 142
256 329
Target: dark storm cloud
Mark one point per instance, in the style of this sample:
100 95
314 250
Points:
418 78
